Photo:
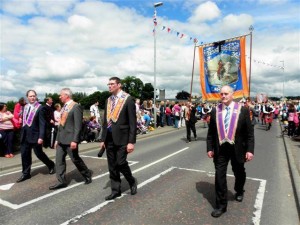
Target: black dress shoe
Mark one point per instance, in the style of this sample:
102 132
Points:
239 197
52 170
133 188
23 178
112 196
218 212
57 186
88 180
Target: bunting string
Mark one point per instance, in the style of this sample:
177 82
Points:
196 41
266 64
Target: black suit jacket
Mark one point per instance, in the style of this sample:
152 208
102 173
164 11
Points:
244 136
124 130
49 115
37 129
193 118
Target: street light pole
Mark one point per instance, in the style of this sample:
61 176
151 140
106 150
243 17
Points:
283 79
154 34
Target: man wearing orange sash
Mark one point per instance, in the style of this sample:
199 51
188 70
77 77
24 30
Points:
230 137
67 140
119 136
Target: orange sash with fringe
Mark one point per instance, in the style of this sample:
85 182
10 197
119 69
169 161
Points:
113 114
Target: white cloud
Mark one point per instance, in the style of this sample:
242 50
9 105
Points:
205 12
234 23
80 22
19 8
53 67
91 41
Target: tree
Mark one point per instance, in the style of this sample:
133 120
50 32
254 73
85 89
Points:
92 98
54 96
147 92
78 96
132 86
10 106
183 95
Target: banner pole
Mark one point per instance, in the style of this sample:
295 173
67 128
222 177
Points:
251 28
191 89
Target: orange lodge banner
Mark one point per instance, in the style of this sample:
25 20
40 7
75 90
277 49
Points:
223 63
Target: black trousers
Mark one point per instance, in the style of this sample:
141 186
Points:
49 136
61 166
26 156
117 163
8 138
190 126
227 153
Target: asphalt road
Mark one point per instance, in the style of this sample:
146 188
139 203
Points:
176 186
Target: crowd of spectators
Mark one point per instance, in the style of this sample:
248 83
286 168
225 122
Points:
168 113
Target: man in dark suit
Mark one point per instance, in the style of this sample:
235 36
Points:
67 140
32 136
49 114
190 121
230 137
119 136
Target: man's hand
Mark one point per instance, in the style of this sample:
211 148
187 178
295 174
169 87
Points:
102 145
130 147
55 144
73 145
249 156
210 154
40 141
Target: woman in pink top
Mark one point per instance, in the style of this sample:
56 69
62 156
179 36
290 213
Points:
6 130
18 113
176 112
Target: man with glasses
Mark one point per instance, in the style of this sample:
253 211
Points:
230 137
119 136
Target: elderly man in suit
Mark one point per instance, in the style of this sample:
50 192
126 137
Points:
32 136
67 140
119 136
230 137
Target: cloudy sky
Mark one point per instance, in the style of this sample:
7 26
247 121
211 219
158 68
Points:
50 44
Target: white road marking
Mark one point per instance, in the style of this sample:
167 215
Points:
16 206
258 202
6 186
98 207
259 197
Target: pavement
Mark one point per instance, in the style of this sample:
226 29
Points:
292 147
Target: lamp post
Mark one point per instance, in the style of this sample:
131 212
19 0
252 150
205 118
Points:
283 79
154 34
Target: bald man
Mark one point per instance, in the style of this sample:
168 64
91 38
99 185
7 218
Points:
230 137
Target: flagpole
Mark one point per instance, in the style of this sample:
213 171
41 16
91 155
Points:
191 89
251 28
154 30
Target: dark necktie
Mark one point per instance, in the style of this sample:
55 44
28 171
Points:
113 104
28 112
